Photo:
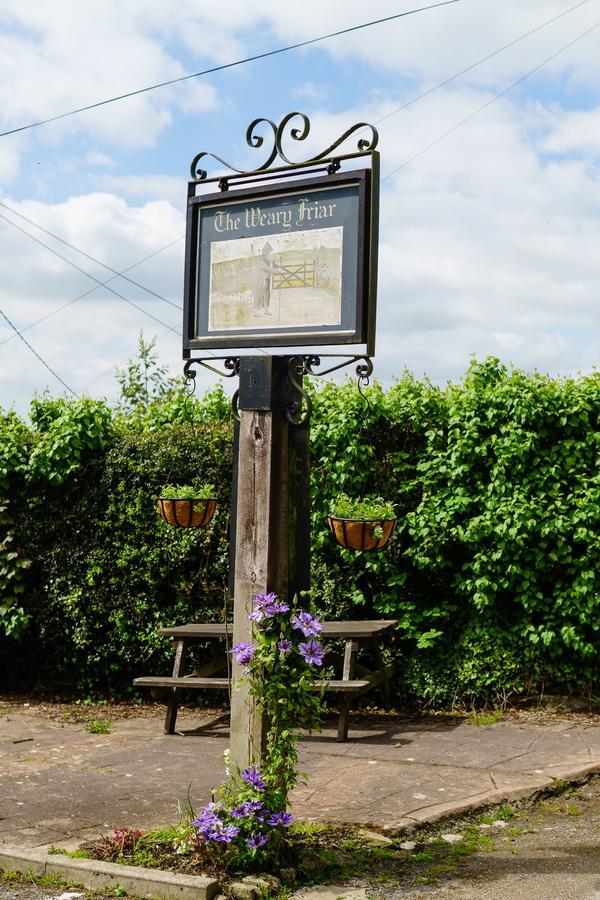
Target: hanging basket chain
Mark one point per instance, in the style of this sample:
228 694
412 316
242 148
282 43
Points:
189 390
363 379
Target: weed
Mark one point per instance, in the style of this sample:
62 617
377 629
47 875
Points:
9 875
485 718
98 726
505 812
573 809
421 856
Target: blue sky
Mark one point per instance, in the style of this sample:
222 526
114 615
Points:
488 240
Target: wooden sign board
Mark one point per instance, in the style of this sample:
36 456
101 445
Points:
289 265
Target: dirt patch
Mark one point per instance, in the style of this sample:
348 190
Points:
74 711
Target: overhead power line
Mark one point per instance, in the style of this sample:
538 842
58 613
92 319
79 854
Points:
92 290
35 353
88 256
479 62
489 102
238 62
88 274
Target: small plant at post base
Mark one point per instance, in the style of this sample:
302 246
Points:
362 523
248 817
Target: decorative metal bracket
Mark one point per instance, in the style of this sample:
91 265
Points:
297 412
365 147
307 365
231 365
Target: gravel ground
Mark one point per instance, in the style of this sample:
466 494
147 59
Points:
550 851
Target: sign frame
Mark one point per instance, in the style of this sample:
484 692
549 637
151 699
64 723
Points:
359 324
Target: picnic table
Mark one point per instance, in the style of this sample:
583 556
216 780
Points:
355 678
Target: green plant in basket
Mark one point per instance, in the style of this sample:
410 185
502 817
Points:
362 523
187 506
370 508
188 491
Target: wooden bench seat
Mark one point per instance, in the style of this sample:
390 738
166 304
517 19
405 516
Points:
189 681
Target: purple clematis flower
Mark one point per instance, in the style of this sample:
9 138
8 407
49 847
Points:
280 818
257 840
265 607
252 776
284 645
243 653
312 652
247 808
225 834
207 816
310 626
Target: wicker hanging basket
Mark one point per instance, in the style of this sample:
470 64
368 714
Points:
186 513
359 534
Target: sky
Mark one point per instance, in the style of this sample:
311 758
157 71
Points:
490 203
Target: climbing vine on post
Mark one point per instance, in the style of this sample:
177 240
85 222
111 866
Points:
248 816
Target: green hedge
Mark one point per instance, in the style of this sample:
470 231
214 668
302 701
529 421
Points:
492 573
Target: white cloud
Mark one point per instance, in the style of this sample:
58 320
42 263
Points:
488 244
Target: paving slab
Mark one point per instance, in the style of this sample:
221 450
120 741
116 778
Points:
60 785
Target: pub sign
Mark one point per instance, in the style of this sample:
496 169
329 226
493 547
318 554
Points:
289 265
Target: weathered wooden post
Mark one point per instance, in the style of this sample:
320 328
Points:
314 241
272 534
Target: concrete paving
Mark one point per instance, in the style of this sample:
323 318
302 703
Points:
60 785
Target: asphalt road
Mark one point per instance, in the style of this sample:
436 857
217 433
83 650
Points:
548 852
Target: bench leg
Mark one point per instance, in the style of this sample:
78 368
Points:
342 734
347 672
173 701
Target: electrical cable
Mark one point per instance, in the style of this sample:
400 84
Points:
489 102
479 62
89 275
90 291
230 65
88 256
35 353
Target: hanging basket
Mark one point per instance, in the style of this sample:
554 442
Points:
187 513
359 534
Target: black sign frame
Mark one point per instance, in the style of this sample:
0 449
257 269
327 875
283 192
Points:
358 325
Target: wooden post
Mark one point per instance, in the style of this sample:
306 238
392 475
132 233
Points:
272 522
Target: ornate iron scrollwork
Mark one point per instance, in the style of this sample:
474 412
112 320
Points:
256 140
231 364
298 411
294 412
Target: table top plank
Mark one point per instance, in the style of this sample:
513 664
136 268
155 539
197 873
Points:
358 629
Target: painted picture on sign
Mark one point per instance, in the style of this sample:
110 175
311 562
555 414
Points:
281 280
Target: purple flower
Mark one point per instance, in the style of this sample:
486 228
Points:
207 817
225 834
312 652
280 818
284 645
208 823
309 625
265 607
243 653
247 808
256 840
253 777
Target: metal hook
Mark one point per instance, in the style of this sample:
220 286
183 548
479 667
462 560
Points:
363 378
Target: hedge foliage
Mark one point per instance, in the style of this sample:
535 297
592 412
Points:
493 573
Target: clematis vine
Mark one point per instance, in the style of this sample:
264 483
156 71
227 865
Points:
249 818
